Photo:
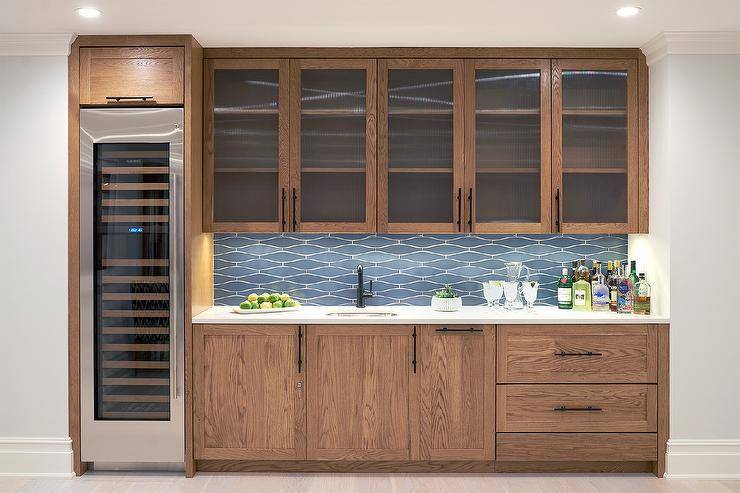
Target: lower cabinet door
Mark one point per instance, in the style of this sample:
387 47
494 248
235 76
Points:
358 392
249 393
456 393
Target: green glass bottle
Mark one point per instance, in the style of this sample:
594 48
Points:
582 290
565 291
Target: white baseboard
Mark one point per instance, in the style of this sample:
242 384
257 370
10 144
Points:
703 459
42 457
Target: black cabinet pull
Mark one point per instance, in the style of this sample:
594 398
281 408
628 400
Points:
295 221
557 208
413 360
459 209
471 329
282 210
578 409
470 210
588 353
118 99
300 348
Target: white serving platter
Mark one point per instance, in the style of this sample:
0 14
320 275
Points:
262 311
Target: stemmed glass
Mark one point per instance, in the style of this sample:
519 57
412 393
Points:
492 291
511 289
529 289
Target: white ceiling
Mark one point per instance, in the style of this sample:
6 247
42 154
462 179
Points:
378 22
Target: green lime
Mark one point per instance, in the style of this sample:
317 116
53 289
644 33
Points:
277 304
262 298
289 303
266 305
255 305
274 297
245 305
284 297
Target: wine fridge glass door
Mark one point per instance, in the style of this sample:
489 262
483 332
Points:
131 289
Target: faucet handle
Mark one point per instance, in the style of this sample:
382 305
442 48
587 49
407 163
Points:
368 293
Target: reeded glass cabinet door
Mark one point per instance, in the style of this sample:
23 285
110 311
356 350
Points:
246 154
333 133
595 161
420 146
508 145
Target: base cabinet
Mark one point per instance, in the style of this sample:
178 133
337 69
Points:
358 392
249 393
455 392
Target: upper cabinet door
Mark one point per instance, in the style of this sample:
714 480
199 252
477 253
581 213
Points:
332 139
246 173
420 146
131 72
508 146
595 148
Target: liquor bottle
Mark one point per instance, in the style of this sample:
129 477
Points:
565 291
633 273
582 290
612 282
599 290
582 271
624 292
642 296
574 275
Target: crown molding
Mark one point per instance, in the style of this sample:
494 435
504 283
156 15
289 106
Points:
35 44
691 43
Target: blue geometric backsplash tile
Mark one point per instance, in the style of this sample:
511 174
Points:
319 269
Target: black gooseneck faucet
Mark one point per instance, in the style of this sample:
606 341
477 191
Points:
362 293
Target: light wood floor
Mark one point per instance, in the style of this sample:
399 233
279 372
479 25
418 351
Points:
363 483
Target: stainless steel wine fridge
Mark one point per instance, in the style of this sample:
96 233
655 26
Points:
131 289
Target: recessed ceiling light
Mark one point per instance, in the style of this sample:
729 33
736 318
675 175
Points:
628 11
89 12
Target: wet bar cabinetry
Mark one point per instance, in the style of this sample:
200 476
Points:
431 397
373 142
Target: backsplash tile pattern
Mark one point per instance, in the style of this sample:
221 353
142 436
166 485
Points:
319 269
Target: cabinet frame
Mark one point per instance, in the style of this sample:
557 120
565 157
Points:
369 223
545 223
458 156
633 117
200 449
284 211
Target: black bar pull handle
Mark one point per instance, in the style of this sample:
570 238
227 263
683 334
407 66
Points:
413 359
470 210
557 209
300 348
128 98
587 353
459 210
471 329
295 220
282 211
577 409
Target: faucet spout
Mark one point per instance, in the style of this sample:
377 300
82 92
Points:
362 293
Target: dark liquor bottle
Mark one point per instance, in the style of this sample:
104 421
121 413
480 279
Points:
612 281
565 291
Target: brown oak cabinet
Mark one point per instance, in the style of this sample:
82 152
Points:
250 392
426 145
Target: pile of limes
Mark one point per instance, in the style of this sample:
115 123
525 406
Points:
266 300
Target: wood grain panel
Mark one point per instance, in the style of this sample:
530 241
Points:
570 467
575 447
617 408
643 74
395 466
132 71
663 398
250 394
620 354
358 381
456 394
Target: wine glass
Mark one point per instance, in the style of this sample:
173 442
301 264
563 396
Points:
492 291
529 289
511 289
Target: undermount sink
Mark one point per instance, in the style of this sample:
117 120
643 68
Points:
363 313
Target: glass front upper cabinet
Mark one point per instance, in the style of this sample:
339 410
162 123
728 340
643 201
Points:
333 138
247 145
595 148
420 146
508 146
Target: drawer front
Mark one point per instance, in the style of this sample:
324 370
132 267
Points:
155 72
577 354
576 447
576 408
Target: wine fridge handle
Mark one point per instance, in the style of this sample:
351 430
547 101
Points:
174 283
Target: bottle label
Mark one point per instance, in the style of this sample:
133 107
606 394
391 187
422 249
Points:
601 296
579 297
564 295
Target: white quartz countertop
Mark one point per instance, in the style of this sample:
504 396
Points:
422 315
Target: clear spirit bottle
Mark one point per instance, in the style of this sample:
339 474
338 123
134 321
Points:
642 296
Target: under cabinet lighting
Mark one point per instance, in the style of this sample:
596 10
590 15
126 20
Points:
628 11
88 12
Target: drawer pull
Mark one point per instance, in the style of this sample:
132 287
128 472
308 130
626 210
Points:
471 329
587 409
589 353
